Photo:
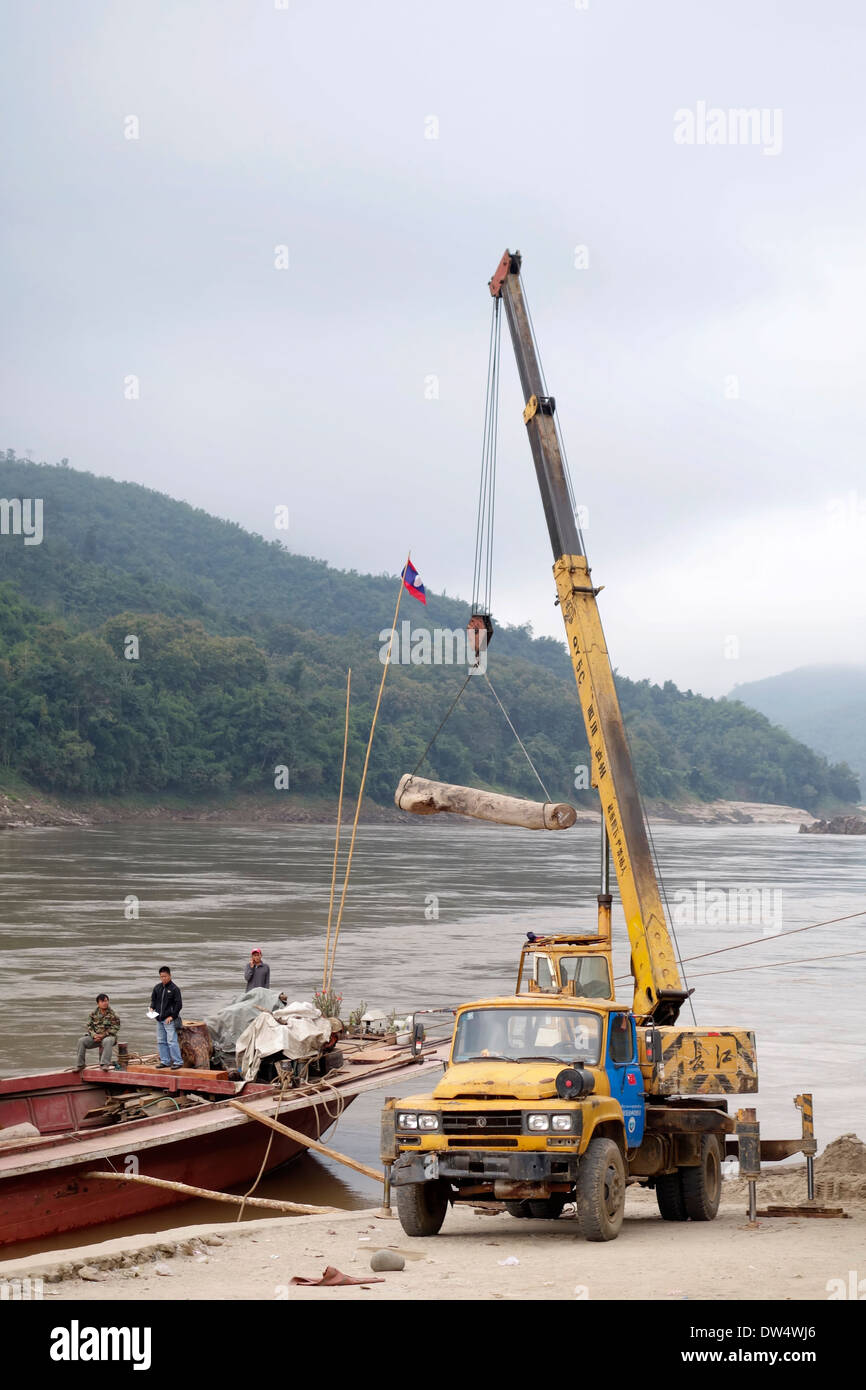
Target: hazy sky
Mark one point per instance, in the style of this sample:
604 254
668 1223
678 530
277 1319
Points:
707 351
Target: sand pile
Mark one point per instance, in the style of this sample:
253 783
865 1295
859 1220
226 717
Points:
844 1158
840 1176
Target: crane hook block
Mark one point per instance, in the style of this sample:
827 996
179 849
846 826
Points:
480 630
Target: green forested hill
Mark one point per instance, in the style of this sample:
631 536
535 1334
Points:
825 706
242 661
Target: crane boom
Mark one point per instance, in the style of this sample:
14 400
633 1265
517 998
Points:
658 987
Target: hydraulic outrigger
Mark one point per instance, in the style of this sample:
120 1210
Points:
559 1091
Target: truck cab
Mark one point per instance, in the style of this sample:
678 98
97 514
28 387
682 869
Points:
541 1103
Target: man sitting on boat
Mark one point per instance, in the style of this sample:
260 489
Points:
103 1027
166 1003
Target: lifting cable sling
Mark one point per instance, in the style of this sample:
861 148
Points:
473 671
482 570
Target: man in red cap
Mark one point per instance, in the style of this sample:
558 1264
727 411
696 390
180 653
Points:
257 974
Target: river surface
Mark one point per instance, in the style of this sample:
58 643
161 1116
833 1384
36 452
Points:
435 915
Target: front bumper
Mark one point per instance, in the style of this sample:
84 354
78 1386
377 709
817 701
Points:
473 1167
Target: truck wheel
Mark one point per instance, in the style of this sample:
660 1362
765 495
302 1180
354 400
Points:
601 1190
669 1195
421 1207
547 1208
517 1208
702 1185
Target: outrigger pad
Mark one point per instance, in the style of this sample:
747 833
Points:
424 798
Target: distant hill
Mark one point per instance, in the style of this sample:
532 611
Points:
825 706
243 654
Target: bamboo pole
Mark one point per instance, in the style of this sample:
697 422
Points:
303 1208
339 822
329 981
305 1140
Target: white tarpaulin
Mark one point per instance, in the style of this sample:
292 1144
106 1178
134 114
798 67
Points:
296 1031
226 1026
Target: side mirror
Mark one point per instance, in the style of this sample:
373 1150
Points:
417 1039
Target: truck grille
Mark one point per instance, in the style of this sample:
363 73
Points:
482 1122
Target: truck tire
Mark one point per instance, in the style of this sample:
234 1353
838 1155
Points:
702 1185
669 1195
547 1208
601 1190
421 1207
517 1208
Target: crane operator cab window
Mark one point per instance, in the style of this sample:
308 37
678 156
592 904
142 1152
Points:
543 974
589 974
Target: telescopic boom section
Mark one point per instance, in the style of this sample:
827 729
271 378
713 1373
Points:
658 989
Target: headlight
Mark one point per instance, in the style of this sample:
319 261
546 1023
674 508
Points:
561 1122
406 1119
538 1124
428 1121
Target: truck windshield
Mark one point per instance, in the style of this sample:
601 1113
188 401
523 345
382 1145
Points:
511 1035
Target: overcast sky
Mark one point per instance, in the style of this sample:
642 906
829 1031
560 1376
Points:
707 352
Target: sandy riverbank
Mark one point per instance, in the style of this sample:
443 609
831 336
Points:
24 810
481 1255
652 1259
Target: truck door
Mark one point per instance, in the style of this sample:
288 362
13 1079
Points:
624 1075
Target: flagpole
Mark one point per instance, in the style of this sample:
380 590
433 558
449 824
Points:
363 783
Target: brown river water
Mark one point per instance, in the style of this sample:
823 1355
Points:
435 916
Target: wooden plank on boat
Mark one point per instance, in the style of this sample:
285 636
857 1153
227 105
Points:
374 1054
186 1079
200 1073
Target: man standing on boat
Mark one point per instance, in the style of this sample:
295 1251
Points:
257 974
103 1027
166 1003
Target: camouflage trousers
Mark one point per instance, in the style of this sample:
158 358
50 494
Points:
106 1047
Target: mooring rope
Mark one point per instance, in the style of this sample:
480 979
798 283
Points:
339 823
769 965
776 936
330 971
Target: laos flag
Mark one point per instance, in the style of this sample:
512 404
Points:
413 583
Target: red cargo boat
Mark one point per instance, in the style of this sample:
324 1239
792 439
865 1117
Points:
43 1187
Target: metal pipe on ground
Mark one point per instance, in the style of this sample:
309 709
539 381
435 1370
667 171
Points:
299 1208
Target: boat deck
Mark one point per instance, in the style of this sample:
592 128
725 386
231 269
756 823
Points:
56 1102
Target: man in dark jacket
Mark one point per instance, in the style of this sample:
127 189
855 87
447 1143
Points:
103 1026
257 974
166 1003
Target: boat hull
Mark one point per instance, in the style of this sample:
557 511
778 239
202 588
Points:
46 1202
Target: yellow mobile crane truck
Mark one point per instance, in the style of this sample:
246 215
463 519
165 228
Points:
558 1092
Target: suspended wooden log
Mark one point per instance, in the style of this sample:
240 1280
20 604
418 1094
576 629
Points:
424 798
